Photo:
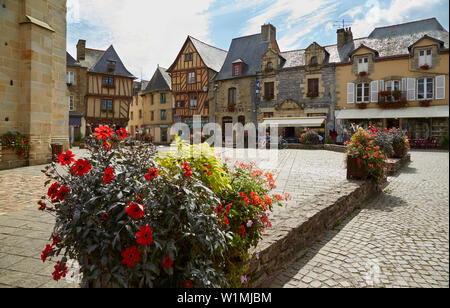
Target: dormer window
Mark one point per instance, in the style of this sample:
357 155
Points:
270 66
111 65
314 61
237 69
363 65
425 57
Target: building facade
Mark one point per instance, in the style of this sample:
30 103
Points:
192 75
136 116
109 87
33 90
397 77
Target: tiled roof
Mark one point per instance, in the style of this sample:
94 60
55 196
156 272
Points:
213 57
102 64
160 81
250 50
71 61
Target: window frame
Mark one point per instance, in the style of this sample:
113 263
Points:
162 98
189 57
107 100
193 106
232 95
315 84
71 103
363 64
237 69
363 86
110 81
426 89
191 80
70 77
269 89
163 112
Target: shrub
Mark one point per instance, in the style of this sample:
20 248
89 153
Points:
444 141
79 137
21 144
310 137
362 147
132 223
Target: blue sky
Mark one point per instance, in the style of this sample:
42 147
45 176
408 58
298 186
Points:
146 33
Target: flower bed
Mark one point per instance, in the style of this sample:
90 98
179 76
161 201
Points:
17 142
393 142
131 218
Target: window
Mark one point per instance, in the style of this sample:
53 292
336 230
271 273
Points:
179 104
268 115
152 101
71 103
269 90
362 93
270 66
140 114
107 104
313 86
193 102
108 81
163 115
363 65
237 69
191 77
425 88
163 98
393 85
70 76
313 60
153 116
425 57
232 96
188 57
132 115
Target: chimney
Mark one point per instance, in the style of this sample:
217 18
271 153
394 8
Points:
344 36
268 33
81 50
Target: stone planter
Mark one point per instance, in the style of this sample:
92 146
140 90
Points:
355 170
399 152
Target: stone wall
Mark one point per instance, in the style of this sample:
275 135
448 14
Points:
33 90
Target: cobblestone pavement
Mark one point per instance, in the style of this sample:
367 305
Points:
399 239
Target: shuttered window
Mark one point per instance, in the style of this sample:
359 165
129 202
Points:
440 87
350 93
374 91
411 89
269 90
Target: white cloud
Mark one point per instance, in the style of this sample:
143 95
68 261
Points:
144 33
397 11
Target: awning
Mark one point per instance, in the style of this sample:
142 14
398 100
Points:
402 113
75 120
295 122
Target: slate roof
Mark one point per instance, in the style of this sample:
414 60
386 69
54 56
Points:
250 50
213 57
102 64
160 81
91 57
389 41
71 61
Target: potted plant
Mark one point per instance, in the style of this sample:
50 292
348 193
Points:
17 142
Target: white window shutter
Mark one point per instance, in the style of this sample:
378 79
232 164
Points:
350 93
404 84
440 87
411 89
421 60
381 87
374 91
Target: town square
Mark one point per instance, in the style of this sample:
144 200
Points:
291 153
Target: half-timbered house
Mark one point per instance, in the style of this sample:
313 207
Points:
192 74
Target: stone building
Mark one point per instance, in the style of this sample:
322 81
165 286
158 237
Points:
192 74
109 90
33 90
158 106
237 81
397 76
136 122
76 85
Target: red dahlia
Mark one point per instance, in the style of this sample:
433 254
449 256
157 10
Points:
66 158
152 174
60 271
187 169
167 262
188 284
122 133
81 167
108 175
62 192
135 211
48 249
53 190
103 132
144 236
131 256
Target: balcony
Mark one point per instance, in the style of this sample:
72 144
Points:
392 99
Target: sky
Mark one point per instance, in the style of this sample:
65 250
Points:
147 33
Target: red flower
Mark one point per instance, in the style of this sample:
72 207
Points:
279 197
131 256
135 211
108 175
60 271
105 216
62 192
167 262
187 169
242 233
66 158
55 239
152 174
188 284
81 167
103 132
229 208
219 209
53 190
226 220
144 236
122 133
268 200
48 249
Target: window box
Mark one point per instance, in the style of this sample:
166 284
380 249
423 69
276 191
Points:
425 103
363 74
425 67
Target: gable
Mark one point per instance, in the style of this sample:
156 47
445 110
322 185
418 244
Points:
181 64
363 51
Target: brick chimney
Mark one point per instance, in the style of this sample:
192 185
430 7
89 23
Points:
81 50
344 36
269 33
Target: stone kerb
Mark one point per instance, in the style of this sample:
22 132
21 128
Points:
299 231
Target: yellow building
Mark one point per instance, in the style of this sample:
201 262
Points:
152 112
33 90
396 77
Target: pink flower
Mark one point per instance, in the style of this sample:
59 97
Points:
249 224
